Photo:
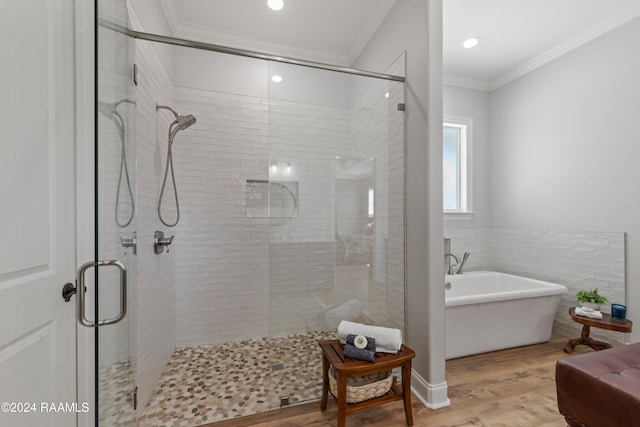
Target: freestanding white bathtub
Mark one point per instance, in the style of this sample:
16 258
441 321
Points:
488 311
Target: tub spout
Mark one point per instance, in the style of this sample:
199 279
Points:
465 257
447 255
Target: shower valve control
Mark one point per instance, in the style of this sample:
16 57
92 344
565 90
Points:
130 243
160 242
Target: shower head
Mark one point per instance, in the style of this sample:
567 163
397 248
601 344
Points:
185 121
181 122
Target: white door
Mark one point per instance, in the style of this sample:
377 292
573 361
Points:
37 205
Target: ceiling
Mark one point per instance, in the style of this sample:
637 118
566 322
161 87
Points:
517 35
327 31
521 35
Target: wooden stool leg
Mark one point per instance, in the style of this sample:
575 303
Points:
325 383
342 399
406 392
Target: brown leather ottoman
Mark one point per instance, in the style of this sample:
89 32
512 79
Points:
600 389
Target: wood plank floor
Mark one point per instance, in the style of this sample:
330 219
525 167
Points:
509 388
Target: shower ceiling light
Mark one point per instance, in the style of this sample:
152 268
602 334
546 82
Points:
471 42
276 78
275 4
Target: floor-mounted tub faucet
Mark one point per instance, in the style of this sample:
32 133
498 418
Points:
449 254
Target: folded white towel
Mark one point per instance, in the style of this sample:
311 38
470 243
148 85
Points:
388 340
594 314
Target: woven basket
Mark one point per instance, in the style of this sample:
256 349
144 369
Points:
364 388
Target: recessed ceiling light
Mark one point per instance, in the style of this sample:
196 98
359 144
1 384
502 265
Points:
276 78
471 42
275 4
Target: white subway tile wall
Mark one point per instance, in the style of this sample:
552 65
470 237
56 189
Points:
155 314
230 276
576 259
222 257
240 277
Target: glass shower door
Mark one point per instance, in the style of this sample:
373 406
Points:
115 218
336 211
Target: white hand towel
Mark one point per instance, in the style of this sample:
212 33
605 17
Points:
594 314
388 340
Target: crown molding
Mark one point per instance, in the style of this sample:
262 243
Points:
591 33
466 82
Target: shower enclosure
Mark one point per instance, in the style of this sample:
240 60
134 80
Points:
291 195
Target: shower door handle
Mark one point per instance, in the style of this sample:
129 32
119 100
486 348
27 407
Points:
81 299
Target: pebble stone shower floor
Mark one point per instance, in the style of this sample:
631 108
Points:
212 383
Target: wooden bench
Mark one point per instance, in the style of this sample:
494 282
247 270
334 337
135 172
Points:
333 355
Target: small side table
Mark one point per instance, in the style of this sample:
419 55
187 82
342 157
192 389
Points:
605 323
333 355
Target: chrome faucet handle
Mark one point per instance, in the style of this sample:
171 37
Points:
465 257
130 243
160 242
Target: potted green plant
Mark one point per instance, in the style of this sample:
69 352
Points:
590 299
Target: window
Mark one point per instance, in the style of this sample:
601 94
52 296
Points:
456 168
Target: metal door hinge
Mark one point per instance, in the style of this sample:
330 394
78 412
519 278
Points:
135 398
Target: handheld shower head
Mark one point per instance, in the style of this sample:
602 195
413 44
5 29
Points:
181 122
110 111
185 121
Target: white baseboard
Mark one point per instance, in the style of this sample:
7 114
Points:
433 396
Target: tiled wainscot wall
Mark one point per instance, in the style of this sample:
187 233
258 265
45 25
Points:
576 259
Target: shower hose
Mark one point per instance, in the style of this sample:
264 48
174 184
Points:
169 166
125 169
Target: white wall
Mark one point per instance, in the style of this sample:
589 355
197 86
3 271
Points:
415 27
473 104
564 148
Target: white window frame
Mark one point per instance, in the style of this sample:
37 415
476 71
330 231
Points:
465 124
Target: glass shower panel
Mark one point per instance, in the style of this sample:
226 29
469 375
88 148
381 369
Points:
336 211
115 215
